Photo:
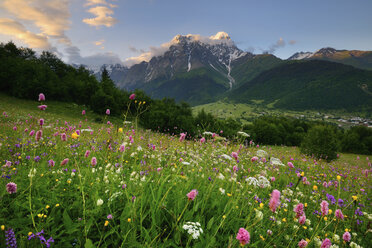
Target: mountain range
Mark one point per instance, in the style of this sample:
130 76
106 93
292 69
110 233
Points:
202 70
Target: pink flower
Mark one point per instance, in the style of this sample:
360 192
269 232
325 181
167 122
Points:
324 207
302 243
65 161
87 153
192 194
107 111
83 112
15 128
32 133
326 243
243 236
202 140
132 96
302 219
299 209
39 134
122 148
346 237
8 164
272 179
51 163
254 158
41 97
93 161
63 137
182 137
234 155
11 188
338 214
275 200
109 217
41 122
290 164
42 107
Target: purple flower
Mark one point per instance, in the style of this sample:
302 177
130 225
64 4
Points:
10 238
11 188
109 217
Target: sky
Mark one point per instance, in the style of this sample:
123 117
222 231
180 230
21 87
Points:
95 32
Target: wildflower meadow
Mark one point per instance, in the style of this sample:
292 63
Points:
70 182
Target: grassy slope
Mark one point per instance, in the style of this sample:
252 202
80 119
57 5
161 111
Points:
309 85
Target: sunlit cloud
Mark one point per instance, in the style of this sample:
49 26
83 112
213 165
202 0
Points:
50 16
18 31
99 42
102 14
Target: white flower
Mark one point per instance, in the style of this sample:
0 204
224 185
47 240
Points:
185 163
139 148
222 191
226 157
220 176
261 154
259 215
252 181
276 161
32 173
263 182
243 134
99 202
208 133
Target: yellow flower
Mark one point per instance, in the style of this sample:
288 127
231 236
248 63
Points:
68 181
338 178
304 227
47 206
262 237
2 227
236 207
355 198
307 240
302 174
306 205
224 217
30 233
325 218
129 219
40 215
284 220
144 102
44 215
228 194
74 135
106 223
315 187
57 180
285 210
347 230
329 211
261 205
57 205
120 130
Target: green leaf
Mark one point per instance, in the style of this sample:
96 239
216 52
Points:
89 244
210 223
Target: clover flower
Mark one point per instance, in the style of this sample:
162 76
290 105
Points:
11 188
243 236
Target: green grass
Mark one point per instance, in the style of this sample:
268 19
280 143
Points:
144 187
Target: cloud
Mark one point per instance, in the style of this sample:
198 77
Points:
95 2
220 37
50 16
17 30
278 44
95 60
102 17
102 14
99 42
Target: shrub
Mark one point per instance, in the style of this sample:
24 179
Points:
321 142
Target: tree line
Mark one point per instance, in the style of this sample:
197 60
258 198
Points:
23 74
